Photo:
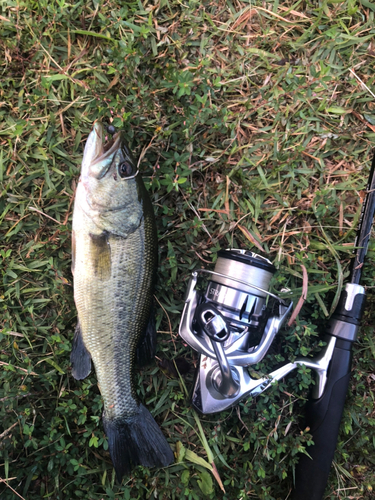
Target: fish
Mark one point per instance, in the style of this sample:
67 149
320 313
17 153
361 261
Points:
114 262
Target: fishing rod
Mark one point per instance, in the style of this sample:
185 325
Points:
233 323
323 415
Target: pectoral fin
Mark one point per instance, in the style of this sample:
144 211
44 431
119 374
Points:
101 255
80 356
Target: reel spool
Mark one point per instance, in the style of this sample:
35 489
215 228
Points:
224 325
240 303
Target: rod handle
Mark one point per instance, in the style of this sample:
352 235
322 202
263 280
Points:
323 417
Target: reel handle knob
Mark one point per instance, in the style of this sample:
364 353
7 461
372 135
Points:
212 323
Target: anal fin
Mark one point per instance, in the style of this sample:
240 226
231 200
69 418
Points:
80 356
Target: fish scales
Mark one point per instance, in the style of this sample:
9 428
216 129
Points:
114 262
113 309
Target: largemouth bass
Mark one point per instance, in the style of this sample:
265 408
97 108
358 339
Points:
114 247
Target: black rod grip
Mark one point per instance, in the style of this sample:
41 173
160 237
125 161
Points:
323 416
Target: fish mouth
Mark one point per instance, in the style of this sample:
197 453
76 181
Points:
98 156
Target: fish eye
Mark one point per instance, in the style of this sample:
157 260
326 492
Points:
125 169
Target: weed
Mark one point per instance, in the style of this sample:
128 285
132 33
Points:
256 132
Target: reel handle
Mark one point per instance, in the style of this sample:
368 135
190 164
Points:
215 327
226 385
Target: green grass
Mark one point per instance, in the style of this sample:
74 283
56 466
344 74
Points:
256 132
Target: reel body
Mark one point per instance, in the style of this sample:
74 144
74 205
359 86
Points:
232 326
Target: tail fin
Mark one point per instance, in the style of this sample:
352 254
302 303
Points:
136 441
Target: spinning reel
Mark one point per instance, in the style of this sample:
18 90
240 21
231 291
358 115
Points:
232 326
